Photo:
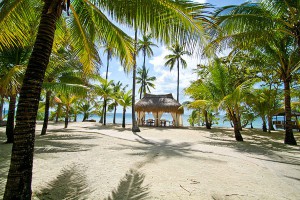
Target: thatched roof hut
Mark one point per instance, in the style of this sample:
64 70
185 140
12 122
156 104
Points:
159 103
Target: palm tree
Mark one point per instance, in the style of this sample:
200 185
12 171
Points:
221 87
86 19
257 24
1 107
118 89
145 81
105 90
203 100
13 61
125 101
67 101
144 45
110 50
86 108
60 78
177 52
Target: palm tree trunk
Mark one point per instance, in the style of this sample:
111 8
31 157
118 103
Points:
107 65
57 112
237 133
67 117
289 136
270 125
115 111
143 74
135 128
46 117
207 123
84 117
11 119
19 178
264 126
1 108
123 120
104 112
177 80
75 117
238 116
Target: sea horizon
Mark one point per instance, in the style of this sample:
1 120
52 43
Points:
257 123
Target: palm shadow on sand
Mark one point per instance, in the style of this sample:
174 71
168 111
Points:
71 184
165 149
62 143
257 144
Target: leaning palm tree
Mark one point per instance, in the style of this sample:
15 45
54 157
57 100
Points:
255 24
145 81
145 45
86 18
176 56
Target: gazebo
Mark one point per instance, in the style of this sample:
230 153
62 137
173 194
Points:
157 105
281 124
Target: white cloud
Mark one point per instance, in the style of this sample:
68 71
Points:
104 74
200 1
121 68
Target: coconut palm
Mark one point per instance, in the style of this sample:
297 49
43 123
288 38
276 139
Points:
86 108
68 94
125 101
110 50
145 81
11 82
13 68
194 118
219 86
266 23
145 45
203 100
67 100
118 89
85 19
105 90
176 57
1 107
59 76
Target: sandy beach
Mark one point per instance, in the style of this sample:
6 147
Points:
89 161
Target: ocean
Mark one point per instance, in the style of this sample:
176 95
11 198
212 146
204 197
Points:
257 123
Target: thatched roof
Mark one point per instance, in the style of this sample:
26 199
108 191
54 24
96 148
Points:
158 103
294 113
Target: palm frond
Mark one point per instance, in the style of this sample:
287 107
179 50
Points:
130 188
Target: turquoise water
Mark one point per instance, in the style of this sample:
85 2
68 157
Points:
257 123
221 123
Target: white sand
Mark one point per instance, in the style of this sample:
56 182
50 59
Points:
89 160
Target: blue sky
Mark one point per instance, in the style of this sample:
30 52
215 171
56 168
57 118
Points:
166 80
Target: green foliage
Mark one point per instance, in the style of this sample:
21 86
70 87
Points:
145 80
